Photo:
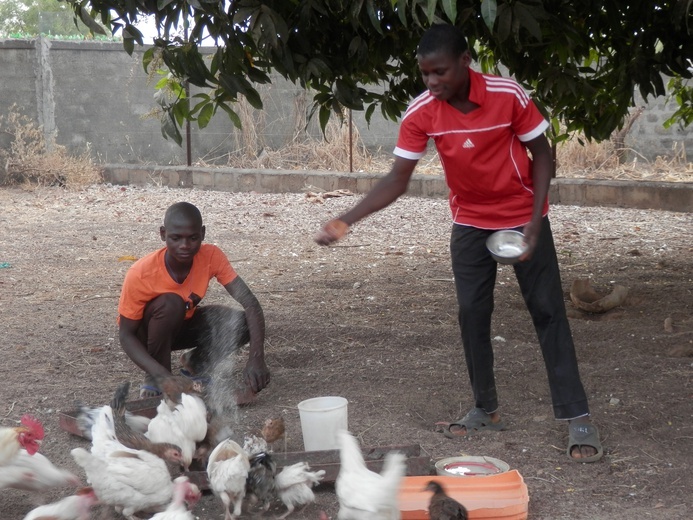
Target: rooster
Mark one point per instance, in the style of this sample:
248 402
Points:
185 496
227 471
442 506
294 485
74 507
362 493
135 439
35 473
185 425
28 436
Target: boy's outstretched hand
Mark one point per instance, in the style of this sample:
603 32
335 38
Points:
331 232
256 375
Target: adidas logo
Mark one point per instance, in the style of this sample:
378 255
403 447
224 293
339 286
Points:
468 144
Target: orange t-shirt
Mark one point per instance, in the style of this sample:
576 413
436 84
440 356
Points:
148 278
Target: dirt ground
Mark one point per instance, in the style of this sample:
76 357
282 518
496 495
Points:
374 320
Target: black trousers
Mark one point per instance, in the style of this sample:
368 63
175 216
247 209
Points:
214 330
540 282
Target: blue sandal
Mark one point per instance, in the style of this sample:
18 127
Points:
149 391
202 380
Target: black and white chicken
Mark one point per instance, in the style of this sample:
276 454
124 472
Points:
260 485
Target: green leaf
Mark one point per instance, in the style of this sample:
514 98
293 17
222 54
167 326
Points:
527 21
401 7
253 98
147 58
505 18
488 12
169 129
324 117
205 115
373 16
431 10
232 115
450 8
128 45
355 9
88 20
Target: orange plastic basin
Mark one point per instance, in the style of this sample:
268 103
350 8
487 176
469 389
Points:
502 496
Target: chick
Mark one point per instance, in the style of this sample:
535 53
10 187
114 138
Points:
274 429
443 507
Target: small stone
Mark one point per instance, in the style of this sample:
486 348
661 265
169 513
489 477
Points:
614 401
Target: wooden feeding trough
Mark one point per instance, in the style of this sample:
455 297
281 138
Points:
328 460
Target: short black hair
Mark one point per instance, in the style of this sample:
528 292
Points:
442 37
183 210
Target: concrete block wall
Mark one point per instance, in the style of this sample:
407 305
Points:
669 196
94 94
648 138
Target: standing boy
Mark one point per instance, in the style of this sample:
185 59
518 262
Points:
159 313
483 126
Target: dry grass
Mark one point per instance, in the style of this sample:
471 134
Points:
604 161
303 152
29 161
575 157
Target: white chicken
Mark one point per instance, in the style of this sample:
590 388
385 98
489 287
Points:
131 481
28 436
227 471
185 425
103 436
294 485
185 495
362 493
74 507
128 479
35 473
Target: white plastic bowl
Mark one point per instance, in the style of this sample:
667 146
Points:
470 466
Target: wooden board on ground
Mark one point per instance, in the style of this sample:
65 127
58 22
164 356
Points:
327 460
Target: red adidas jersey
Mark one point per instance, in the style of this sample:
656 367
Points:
486 166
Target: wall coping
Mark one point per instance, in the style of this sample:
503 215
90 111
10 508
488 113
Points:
667 196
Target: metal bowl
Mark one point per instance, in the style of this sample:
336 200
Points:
506 246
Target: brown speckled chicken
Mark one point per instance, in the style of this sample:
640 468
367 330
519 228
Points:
443 507
137 440
274 429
